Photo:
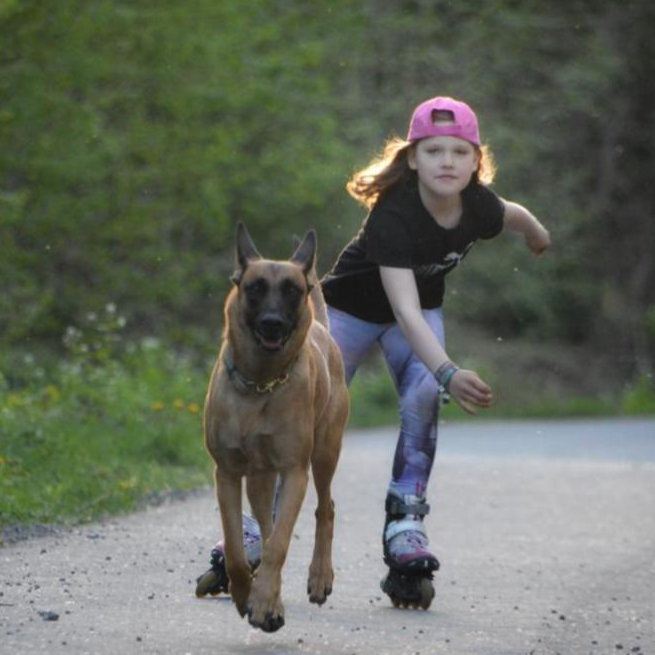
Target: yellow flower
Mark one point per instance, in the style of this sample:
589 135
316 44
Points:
194 408
158 406
15 400
53 393
2 459
178 404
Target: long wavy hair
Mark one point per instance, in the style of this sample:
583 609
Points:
388 168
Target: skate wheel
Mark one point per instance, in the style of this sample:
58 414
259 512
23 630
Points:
427 593
208 583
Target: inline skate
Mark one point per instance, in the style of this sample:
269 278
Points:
405 545
214 581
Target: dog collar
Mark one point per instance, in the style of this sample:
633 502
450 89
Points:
260 387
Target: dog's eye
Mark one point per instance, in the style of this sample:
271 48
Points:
291 290
257 288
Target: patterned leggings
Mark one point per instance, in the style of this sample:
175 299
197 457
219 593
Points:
415 384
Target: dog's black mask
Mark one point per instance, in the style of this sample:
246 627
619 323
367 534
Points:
273 299
272 310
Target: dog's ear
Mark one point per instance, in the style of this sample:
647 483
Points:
305 254
246 252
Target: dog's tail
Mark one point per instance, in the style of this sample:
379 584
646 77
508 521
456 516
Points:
316 295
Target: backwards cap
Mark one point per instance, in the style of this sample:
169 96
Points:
464 121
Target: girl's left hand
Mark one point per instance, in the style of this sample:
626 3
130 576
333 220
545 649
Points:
538 239
470 391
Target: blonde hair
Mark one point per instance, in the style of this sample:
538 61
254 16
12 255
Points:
388 168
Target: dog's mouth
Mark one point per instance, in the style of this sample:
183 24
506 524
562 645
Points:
270 343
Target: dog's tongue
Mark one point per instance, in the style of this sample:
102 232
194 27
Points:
272 344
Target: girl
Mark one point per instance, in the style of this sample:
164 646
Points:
428 204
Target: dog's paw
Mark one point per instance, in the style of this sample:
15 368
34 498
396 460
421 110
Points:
319 587
270 623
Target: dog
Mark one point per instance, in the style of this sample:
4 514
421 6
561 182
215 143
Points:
277 402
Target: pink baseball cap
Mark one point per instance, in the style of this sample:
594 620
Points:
464 125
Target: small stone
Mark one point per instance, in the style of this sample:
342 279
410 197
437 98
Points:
47 615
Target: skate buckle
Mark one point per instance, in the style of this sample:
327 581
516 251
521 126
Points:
398 507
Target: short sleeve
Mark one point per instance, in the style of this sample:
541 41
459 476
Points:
488 210
388 242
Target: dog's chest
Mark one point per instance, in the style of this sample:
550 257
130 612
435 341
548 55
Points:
250 446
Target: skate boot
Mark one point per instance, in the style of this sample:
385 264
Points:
215 581
405 542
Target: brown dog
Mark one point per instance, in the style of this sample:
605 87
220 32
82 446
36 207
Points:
277 400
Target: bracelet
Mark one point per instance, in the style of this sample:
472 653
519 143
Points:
443 375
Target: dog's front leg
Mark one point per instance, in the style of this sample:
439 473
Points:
321 574
266 610
228 490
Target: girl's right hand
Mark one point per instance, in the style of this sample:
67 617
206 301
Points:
538 239
470 391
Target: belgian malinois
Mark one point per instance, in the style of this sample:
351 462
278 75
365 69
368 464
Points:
277 401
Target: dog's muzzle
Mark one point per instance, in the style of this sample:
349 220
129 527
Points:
271 332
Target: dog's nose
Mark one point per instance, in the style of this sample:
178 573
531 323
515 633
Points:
270 324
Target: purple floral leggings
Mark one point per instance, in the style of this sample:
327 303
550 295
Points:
415 384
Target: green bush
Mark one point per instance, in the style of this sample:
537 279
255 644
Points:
640 398
111 424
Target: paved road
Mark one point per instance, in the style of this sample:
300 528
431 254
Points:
546 532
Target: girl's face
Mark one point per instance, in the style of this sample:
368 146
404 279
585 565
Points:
444 164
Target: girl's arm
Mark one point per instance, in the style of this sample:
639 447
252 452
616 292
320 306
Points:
519 219
400 286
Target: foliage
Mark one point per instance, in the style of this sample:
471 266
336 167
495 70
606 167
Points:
111 424
134 136
640 397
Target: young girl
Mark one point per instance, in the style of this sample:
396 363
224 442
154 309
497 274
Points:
428 204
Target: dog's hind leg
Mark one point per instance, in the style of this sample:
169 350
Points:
261 491
321 574
228 490
266 610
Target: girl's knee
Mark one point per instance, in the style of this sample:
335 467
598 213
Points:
421 398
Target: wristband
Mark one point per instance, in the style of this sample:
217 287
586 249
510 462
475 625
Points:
443 375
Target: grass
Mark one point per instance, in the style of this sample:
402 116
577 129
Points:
98 433
114 423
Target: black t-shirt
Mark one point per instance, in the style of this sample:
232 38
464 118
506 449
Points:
399 232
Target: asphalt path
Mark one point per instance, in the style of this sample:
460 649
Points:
545 531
